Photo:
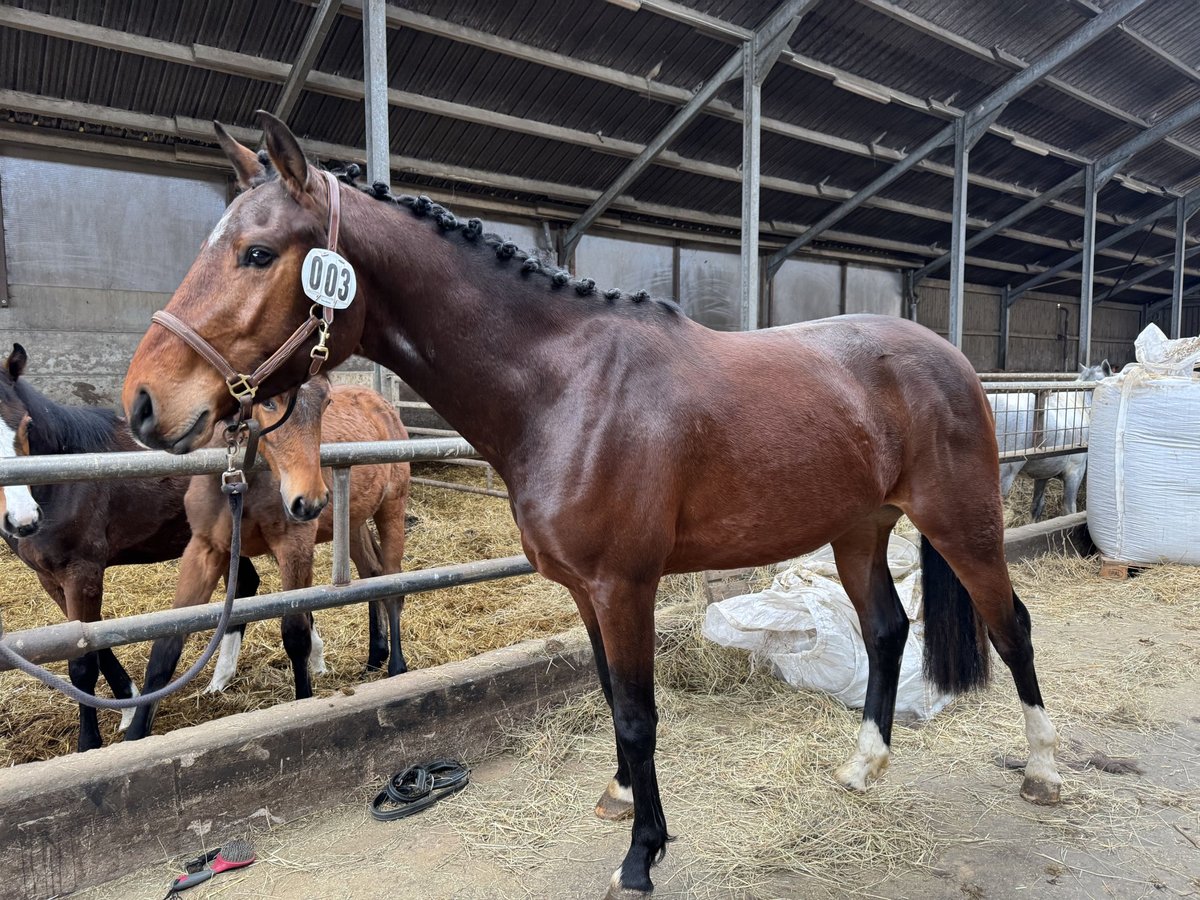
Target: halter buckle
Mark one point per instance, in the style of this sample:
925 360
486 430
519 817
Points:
241 388
321 350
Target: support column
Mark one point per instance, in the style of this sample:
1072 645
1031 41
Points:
375 88
1091 188
958 233
375 100
751 175
1181 219
1005 322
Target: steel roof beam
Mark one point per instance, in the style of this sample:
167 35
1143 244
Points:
999 57
314 39
1106 167
213 59
781 18
1068 47
195 129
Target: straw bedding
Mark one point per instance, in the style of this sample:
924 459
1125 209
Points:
438 627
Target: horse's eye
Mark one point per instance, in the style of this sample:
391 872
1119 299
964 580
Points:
258 257
269 405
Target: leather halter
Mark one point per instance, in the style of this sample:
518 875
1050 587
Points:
245 387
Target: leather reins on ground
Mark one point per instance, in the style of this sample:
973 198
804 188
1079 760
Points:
233 480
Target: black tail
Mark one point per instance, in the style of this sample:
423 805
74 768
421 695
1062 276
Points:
956 649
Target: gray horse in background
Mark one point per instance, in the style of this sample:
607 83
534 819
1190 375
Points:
1065 423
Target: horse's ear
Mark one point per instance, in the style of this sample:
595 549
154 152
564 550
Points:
285 153
245 161
1105 368
16 362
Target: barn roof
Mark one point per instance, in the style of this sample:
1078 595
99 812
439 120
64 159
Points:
538 105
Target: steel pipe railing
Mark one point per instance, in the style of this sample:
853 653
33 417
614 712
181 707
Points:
71 639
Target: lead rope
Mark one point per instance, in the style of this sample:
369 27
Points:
234 486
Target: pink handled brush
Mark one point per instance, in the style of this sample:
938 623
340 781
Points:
234 855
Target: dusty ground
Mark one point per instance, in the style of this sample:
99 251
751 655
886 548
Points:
744 766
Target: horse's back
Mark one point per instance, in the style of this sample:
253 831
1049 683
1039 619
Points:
358 413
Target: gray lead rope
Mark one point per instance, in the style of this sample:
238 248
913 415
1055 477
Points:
234 489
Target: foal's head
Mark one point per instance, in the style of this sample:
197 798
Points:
293 451
19 513
243 294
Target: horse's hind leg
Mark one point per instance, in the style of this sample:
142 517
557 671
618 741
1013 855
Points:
231 645
389 519
365 554
293 551
1072 480
861 556
966 576
1039 499
120 682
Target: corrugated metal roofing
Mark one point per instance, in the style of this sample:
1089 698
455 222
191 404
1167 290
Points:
867 46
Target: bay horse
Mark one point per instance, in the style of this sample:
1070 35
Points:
70 533
634 442
289 530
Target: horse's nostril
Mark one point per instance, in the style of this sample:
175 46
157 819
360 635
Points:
141 415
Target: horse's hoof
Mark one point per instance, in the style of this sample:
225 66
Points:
615 804
1042 793
856 773
617 891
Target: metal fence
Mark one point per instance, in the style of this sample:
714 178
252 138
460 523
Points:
72 639
1038 419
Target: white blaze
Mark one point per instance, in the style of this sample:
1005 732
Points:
18 501
219 228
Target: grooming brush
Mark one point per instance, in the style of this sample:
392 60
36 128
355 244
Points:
234 855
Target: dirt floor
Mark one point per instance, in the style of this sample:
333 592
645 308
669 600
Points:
745 765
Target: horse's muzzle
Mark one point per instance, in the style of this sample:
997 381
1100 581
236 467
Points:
304 510
25 529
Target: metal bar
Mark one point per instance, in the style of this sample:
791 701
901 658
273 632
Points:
71 639
778 19
375 91
1086 286
4 297
958 233
1181 217
54 469
465 488
1105 165
1074 43
751 174
318 28
1005 323
341 526
1152 272
1116 237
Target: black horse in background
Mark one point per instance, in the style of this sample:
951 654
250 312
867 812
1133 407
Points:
77 530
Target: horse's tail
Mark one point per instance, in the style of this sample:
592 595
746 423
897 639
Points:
956 649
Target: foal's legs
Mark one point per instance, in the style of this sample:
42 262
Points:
616 802
861 555
1072 480
389 519
365 554
294 552
231 645
970 538
82 591
625 612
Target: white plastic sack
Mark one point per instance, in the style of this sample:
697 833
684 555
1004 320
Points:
1144 456
805 627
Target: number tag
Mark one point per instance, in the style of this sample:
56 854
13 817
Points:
328 278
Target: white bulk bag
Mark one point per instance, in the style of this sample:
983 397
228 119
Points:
1144 456
806 628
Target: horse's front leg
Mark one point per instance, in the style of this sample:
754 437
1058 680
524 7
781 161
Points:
82 592
199 571
616 803
293 550
625 613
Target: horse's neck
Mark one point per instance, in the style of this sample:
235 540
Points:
472 342
58 428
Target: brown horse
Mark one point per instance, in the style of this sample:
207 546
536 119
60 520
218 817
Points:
289 530
634 441
70 533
